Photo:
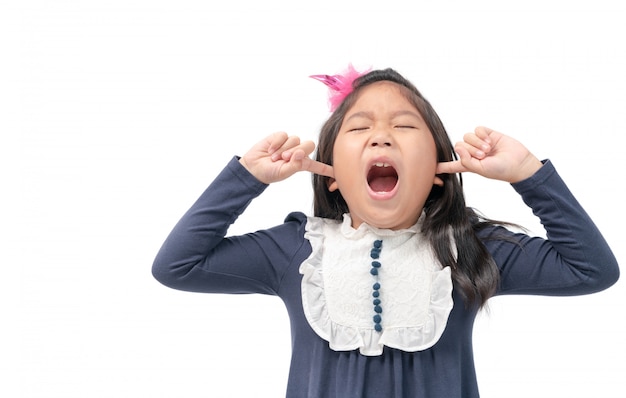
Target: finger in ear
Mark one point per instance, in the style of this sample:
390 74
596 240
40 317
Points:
332 185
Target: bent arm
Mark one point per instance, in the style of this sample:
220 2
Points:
196 256
574 259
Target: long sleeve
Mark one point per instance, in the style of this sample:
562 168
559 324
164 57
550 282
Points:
196 256
574 259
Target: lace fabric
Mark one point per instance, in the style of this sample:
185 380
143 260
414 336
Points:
416 291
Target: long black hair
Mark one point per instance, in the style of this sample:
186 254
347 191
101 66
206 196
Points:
448 221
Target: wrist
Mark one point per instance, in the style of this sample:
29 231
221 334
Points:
252 172
527 169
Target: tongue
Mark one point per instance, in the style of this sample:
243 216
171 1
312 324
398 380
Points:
383 184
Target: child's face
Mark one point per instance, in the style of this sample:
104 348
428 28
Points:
384 159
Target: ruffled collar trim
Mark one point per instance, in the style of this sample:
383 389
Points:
415 294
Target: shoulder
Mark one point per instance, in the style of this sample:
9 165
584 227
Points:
288 234
296 217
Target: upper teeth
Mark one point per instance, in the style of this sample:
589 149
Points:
381 164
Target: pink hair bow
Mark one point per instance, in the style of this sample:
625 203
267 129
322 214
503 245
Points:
339 85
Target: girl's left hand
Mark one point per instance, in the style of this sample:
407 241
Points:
493 155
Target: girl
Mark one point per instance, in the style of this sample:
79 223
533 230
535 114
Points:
383 284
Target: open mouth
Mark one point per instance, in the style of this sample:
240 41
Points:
382 177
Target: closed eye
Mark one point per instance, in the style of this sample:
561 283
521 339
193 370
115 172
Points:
406 127
358 129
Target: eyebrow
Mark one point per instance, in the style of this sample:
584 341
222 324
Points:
370 115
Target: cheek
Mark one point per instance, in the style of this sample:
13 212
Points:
343 172
429 151
344 157
424 161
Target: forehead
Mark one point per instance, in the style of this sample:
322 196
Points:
383 94
383 99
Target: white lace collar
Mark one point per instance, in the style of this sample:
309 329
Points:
337 286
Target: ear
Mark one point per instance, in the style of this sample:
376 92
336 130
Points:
438 181
333 186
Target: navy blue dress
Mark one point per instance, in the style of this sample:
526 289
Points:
197 256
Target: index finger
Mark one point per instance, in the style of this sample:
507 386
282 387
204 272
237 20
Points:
452 167
316 167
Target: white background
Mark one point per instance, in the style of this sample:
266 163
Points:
116 114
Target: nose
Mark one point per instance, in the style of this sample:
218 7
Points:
380 138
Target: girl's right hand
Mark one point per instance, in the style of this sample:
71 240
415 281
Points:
279 156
